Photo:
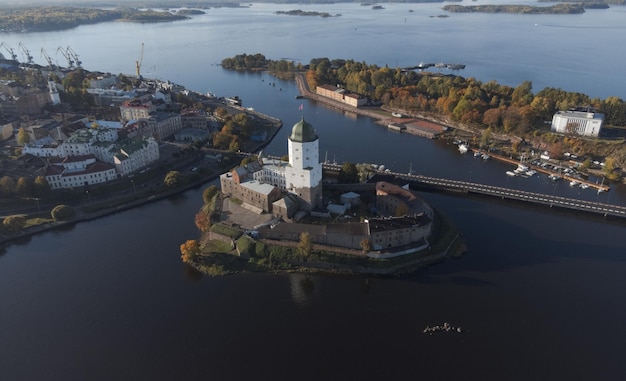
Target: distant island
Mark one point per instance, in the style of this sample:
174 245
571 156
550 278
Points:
298 12
567 8
43 19
589 4
190 12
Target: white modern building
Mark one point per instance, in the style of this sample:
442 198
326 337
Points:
577 122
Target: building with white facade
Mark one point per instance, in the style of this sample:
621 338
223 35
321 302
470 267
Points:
135 154
78 171
55 98
136 109
80 143
577 122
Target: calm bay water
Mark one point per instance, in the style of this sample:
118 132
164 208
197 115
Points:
539 293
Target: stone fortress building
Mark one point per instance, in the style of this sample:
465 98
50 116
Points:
291 190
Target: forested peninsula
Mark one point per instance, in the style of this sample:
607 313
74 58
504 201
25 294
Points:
484 107
43 19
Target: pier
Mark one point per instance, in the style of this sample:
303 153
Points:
539 169
503 193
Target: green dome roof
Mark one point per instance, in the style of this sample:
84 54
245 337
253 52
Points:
302 132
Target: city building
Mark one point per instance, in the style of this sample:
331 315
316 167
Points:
340 94
78 171
136 109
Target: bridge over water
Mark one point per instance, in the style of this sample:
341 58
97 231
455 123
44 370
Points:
504 193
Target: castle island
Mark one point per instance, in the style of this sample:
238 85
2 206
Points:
273 214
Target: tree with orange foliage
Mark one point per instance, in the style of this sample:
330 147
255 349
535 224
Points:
189 250
203 221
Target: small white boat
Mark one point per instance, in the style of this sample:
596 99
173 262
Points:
511 173
584 186
485 156
477 153
462 148
573 183
554 177
531 172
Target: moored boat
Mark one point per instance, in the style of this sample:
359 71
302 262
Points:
462 148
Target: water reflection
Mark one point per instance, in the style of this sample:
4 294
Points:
302 289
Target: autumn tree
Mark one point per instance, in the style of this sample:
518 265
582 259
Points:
221 112
62 213
15 222
189 250
22 136
203 221
305 246
173 178
366 245
235 144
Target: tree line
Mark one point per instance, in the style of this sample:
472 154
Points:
466 100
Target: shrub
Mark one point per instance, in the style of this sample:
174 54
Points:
14 223
62 213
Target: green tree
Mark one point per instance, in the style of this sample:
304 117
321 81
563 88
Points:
62 213
14 223
173 179
348 173
22 136
7 186
208 194
25 187
248 159
611 169
485 137
42 188
305 246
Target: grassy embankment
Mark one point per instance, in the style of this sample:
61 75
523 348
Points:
234 252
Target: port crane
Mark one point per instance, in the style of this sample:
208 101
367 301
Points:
45 55
74 56
10 50
70 61
29 57
139 62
